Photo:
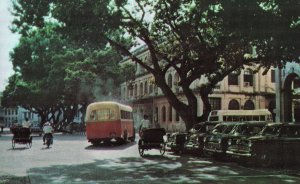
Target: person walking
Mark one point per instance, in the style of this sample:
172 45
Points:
26 123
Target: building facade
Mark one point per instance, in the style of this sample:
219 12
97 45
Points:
288 93
17 114
244 90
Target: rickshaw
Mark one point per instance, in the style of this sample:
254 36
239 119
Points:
152 138
21 135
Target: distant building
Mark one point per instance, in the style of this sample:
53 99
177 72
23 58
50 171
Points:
16 115
246 90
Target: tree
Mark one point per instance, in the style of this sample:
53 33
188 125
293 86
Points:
195 38
53 76
32 62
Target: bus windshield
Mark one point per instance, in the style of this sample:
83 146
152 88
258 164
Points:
103 114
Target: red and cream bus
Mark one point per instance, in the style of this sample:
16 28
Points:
109 122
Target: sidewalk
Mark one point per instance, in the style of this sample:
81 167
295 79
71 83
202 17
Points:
14 180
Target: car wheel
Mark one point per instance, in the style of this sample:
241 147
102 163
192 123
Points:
141 148
162 148
264 160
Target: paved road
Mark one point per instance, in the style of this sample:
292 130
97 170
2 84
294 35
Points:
73 160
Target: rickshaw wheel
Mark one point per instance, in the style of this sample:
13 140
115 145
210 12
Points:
265 160
13 143
162 149
29 144
141 151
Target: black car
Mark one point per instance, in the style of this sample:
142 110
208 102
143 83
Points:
195 137
74 127
175 142
36 129
213 144
219 144
277 143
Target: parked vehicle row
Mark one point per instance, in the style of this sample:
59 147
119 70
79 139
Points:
216 144
258 143
276 144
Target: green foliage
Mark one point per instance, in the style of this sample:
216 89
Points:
29 14
195 38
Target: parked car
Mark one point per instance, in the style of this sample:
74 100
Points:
36 129
277 143
74 127
195 137
175 142
213 141
220 142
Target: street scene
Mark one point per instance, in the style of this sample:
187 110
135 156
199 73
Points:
71 159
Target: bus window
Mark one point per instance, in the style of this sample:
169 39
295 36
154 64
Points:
106 114
228 118
262 118
255 118
235 118
93 115
214 118
126 115
248 118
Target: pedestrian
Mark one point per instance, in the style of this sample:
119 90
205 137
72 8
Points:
26 123
145 123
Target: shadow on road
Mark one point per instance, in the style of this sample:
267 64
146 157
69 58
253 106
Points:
18 148
110 146
152 169
45 148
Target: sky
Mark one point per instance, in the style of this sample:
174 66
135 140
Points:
8 41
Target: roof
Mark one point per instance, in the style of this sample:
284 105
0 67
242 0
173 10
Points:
241 112
96 105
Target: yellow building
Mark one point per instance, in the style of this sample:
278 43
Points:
246 90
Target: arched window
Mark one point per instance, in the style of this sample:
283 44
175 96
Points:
156 114
170 81
248 78
146 88
135 90
141 89
170 113
151 88
177 116
249 105
163 112
234 105
176 80
129 92
124 92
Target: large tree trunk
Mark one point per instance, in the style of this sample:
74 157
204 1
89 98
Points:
187 111
204 92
